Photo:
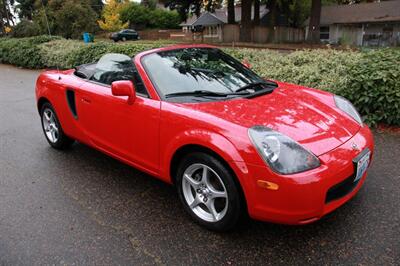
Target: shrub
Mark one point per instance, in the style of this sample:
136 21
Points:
73 55
68 53
373 85
23 52
59 53
25 28
370 79
313 68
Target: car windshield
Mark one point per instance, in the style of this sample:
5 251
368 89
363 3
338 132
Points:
199 71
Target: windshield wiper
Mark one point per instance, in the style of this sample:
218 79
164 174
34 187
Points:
203 93
258 83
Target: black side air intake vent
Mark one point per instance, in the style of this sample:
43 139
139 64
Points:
71 103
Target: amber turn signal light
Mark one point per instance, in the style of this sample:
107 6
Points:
267 185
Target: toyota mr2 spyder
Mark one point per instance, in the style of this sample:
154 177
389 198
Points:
233 144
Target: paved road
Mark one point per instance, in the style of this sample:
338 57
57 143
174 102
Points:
82 207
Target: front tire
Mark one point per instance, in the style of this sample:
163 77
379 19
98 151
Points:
208 192
52 128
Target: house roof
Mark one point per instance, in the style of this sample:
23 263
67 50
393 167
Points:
358 13
207 19
220 16
189 21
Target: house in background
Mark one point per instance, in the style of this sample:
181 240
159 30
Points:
212 23
366 24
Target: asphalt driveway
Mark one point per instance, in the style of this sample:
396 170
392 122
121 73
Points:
82 207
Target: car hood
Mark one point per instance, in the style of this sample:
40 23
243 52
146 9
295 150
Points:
305 115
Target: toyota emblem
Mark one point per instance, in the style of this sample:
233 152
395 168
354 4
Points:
354 146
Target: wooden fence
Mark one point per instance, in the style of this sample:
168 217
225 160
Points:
230 34
158 34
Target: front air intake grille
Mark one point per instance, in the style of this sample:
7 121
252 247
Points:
341 189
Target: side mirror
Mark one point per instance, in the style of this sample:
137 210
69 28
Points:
246 63
124 88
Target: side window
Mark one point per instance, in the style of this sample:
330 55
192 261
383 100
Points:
114 67
139 85
324 34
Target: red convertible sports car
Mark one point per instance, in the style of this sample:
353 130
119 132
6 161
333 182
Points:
231 142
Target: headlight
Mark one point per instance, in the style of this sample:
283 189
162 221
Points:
346 106
281 153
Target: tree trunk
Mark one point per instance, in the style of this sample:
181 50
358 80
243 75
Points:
2 26
5 13
245 28
256 20
315 18
231 12
271 5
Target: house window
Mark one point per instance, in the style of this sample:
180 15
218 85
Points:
324 33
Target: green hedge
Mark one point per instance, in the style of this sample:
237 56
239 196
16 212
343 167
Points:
69 53
373 85
370 79
23 52
43 51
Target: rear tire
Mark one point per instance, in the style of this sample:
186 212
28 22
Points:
52 129
124 39
209 192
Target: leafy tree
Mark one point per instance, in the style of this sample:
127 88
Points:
299 12
25 8
136 15
140 16
74 18
25 28
164 19
152 4
67 18
97 6
211 5
111 16
6 15
185 7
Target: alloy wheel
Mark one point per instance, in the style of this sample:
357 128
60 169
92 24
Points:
205 192
50 125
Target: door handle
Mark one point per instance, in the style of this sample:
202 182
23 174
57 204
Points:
85 100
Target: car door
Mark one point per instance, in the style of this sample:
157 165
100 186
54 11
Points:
129 132
125 34
133 34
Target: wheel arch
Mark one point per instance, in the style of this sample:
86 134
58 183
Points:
42 100
186 149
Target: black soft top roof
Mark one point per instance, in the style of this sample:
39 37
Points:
85 71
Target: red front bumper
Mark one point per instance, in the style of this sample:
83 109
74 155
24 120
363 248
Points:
302 198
